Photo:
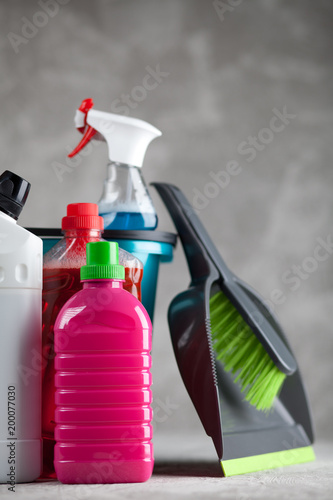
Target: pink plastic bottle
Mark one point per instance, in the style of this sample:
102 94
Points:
102 339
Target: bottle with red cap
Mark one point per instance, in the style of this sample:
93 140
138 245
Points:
61 280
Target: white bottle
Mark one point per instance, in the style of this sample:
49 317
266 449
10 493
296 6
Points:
20 339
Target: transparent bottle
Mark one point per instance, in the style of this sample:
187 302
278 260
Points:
61 280
125 202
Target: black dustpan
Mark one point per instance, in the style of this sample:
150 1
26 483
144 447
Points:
245 439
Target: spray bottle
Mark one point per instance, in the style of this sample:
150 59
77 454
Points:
125 202
20 339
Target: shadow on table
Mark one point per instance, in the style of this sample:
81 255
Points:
192 469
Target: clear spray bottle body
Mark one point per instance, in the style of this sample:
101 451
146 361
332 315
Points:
125 202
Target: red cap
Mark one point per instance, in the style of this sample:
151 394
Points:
82 216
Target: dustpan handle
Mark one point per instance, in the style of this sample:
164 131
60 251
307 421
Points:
198 261
184 214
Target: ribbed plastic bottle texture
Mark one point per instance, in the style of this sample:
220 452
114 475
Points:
61 280
103 414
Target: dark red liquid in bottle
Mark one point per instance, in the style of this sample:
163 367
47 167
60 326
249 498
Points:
61 280
58 286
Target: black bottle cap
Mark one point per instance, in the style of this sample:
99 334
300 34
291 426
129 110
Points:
14 192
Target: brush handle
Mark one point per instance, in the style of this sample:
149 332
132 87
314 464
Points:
201 253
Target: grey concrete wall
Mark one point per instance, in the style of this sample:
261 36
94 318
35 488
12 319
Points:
223 76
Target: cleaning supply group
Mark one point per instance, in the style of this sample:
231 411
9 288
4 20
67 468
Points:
77 330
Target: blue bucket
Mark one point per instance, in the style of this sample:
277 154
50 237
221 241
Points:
151 247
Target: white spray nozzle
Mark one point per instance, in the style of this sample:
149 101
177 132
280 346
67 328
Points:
127 138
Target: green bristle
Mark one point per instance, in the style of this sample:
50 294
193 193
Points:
241 353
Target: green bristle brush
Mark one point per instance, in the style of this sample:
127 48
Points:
242 353
245 336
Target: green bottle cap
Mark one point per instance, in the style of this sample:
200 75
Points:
102 262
